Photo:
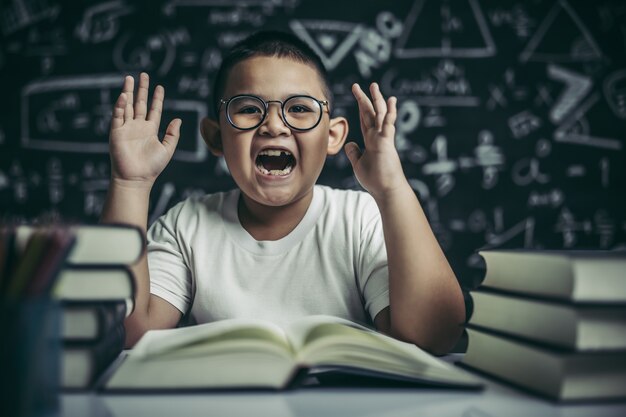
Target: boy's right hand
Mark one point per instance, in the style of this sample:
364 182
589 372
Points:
137 154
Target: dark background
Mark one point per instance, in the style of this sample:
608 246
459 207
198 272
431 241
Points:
512 114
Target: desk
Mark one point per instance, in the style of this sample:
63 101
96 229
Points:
494 401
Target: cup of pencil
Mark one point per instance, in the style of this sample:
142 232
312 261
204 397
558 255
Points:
30 325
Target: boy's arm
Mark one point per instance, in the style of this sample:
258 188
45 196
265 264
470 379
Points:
426 305
137 158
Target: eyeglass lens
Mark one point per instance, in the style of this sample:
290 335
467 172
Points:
299 112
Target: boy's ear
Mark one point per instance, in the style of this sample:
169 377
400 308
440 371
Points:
337 134
210 130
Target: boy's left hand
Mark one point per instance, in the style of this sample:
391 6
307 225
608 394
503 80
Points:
377 168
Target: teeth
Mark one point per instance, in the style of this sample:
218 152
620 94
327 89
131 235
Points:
278 172
273 152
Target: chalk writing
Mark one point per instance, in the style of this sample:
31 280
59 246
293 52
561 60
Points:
511 115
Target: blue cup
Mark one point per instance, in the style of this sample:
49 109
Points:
30 352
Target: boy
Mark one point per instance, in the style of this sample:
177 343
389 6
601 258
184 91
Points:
280 246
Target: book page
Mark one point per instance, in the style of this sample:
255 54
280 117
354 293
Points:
299 330
330 341
315 329
221 335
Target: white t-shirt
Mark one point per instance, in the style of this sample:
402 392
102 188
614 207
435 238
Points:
334 262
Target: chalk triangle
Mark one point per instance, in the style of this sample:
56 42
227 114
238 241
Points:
561 37
445 29
331 40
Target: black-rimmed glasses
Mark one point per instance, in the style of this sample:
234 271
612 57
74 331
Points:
245 111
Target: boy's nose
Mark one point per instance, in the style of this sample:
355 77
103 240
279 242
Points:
274 124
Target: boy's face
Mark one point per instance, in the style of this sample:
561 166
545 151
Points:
252 154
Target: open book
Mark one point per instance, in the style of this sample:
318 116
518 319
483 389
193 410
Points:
247 353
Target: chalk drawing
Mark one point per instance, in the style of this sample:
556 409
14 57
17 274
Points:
331 40
605 228
443 165
496 97
605 167
445 85
149 52
434 118
65 93
409 116
576 170
523 124
543 96
192 112
517 18
552 43
443 168
236 16
65 90
552 198
101 23
22 13
427 24
575 129
576 88
170 7
569 227
527 171
490 158
525 228
388 25
615 92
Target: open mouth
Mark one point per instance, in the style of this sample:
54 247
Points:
278 162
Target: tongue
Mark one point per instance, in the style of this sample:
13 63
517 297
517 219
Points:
274 162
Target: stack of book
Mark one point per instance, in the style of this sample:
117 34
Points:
552 322
95 289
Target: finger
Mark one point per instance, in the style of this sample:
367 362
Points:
172 134
380 106
366 110
141 101
388 127
129 86
353 152
157 106
117 120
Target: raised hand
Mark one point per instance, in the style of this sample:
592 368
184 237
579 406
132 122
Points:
377 168
137 154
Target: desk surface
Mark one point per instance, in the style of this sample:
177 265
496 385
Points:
494 401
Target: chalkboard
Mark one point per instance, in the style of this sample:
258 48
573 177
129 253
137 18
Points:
512 114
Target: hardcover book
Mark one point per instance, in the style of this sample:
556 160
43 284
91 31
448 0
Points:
562 375
575 275
247 353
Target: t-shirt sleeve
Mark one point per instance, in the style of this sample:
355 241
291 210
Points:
373 269
170 278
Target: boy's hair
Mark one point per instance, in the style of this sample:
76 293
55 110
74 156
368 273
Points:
269 43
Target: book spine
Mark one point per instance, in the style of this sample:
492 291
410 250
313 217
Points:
101 353
88 233
109 314
132 286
